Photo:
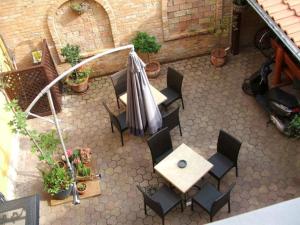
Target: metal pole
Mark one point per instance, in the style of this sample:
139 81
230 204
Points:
58 129
64 74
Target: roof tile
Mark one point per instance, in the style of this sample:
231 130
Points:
286 13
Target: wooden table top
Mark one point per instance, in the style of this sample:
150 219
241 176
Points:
157 95
183 178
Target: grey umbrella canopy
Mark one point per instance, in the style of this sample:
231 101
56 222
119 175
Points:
142 110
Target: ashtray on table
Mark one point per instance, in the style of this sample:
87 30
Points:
182 163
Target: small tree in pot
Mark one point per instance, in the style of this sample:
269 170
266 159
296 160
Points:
78 79
145 43
219 27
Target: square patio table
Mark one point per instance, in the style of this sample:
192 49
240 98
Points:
183 178
157 95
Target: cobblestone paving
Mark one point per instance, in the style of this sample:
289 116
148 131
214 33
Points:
269 163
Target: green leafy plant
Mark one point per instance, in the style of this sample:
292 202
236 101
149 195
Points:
72 55
81 186
18 123
43 144
82 170
56 180
145 43
48 141
294 127
240 2
218 27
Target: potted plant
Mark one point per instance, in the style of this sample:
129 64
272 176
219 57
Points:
78 79
294 127
57 182
239 5
85 155
145 43
83 172
36 56
81 187
79 8
219 53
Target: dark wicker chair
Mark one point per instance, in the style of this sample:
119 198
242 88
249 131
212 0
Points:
160 145
119 121
162 201
171 119
226 158
211 200
119 81
173 90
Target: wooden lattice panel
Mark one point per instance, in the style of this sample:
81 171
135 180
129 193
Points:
25 85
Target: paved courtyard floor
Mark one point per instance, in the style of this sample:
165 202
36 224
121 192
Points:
269 163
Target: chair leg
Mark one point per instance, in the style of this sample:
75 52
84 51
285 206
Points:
112 127
236 171
229 206
163 220
145 209
180 129
192 205
122 138
210 218
182 102
219 181
181 205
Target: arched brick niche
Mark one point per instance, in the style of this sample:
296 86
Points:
93 31
184 18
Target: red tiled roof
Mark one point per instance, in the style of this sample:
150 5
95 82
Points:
286 13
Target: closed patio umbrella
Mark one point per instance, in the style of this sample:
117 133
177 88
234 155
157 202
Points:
142 110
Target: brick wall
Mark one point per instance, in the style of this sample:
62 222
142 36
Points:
24 23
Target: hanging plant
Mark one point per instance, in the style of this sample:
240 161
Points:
80 8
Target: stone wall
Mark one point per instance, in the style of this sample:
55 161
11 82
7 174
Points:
24 23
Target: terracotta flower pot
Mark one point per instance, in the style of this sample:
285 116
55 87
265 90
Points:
153 69
79 88
81 192
218 57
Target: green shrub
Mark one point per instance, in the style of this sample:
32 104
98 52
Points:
56 180
82 170
145 43
71 54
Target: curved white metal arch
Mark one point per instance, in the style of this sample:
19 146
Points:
55 119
